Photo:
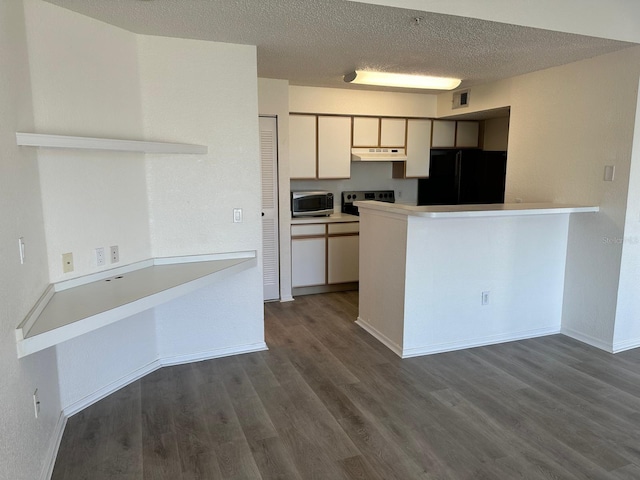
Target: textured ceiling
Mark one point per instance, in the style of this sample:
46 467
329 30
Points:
315 42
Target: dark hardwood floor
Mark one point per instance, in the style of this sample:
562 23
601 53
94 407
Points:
327 401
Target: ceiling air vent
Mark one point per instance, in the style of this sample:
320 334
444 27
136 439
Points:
461 99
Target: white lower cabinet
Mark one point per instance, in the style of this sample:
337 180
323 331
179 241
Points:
324 254
343 259
308 261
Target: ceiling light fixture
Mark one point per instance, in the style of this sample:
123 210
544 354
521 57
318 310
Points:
401 80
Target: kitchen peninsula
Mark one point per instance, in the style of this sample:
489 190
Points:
442 278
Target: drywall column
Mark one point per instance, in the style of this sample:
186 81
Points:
627 326
205 93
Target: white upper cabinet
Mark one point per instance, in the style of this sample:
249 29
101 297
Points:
366 131
444 134
393 132
418 148
467 134
334 147
379 132
302 146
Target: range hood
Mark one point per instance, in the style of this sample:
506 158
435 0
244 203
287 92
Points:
378 155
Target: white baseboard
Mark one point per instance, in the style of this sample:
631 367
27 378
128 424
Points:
478 342
54 445
588 339
83 403
386 341
451 346
626 345
287 299
101 393
211 354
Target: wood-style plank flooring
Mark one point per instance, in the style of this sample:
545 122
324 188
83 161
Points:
327 401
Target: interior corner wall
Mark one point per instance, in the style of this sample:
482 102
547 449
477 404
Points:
273 100
25 442
85 82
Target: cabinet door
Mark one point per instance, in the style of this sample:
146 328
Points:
467 134
444 134
418 148
334 147
302 146
308 259
343 259
393 132
366 131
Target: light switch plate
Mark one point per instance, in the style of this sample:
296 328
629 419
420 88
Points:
609 173
237 215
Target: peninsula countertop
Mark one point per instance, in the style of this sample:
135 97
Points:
484 210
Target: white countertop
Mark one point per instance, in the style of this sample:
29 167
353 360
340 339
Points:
334 218
486 210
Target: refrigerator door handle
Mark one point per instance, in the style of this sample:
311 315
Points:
458 174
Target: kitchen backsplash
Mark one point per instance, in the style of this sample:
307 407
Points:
364 176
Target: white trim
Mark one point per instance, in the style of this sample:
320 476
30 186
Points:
626 345
107 390
155 365
478 342
92 143
33 314
386 341
54 446
287 299
211 354
588 339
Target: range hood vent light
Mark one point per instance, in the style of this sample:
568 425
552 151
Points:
378 155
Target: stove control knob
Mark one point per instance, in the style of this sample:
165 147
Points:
354 196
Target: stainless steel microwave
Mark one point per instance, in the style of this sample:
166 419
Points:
311 204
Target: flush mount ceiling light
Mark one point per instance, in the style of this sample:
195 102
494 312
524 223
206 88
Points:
402 80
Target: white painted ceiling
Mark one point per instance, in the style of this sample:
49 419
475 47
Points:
316 42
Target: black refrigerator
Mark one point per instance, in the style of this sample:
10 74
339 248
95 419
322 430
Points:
463 177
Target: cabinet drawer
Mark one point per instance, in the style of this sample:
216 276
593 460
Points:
351 227
311 229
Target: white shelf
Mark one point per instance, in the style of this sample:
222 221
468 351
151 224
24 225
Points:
89 143
74 307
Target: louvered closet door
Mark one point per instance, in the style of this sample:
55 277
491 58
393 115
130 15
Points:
269 158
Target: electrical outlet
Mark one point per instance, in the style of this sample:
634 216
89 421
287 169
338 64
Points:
237 215
100 260
485 298
21 248
36 403
67 262
115 254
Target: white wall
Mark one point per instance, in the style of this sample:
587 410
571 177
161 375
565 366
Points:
566 124
615 19
520 261
627 326
24 440
273 100
85 82
205 93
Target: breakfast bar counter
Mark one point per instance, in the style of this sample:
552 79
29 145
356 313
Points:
441 278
